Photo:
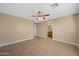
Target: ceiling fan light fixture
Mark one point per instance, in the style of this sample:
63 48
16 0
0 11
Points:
40 18
44 18
41 15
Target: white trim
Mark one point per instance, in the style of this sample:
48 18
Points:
9 43
41 36
34 29
66 42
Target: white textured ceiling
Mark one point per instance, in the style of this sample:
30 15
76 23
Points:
27 9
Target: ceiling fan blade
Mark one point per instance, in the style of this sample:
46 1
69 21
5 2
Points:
46 15
40 14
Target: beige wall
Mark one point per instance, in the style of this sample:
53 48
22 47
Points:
14 28
64 28
41 29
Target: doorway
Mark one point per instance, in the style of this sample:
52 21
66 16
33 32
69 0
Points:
50 31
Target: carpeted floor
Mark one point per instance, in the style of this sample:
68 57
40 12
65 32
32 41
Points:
40 47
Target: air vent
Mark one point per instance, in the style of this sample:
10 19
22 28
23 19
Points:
54 5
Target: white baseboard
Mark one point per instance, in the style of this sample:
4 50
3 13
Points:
76 44
9 43
62 41
41 36
68 42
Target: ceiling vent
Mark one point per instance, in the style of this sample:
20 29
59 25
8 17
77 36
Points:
54 5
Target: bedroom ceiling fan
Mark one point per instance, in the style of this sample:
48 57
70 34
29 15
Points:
40 15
